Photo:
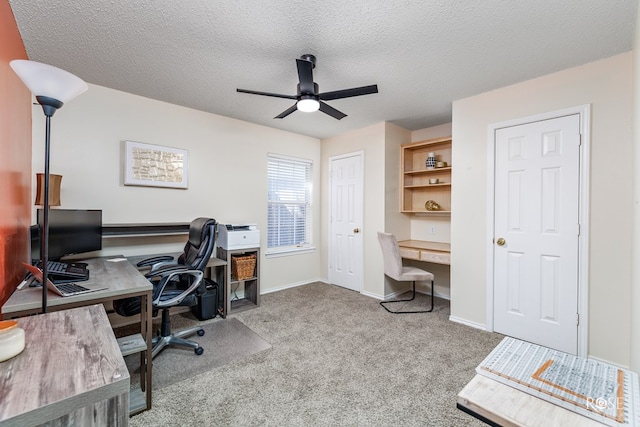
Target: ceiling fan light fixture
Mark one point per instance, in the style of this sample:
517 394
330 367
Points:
308 105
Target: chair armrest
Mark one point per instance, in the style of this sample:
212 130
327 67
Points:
163 270
198 275
150 261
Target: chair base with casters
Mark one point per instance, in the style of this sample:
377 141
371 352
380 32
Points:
413 295
177 338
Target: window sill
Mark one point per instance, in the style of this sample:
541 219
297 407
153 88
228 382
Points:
289 252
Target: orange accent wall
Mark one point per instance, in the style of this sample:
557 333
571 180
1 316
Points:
15 157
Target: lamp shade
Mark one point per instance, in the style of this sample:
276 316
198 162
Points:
308 105
54 189
47 80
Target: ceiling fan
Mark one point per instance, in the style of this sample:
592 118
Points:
308 99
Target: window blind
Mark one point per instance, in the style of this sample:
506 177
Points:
289 203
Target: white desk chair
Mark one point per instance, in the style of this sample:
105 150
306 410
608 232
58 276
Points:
394 269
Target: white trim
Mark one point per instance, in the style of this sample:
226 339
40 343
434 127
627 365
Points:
468 323
584 111
290 252
289 286
361 219
608 362
372 295
396 294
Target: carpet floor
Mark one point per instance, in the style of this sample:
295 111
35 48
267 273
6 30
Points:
336 358
224 341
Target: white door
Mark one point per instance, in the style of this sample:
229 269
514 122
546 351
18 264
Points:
345 220
536 251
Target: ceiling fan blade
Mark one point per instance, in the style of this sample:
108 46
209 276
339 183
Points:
305 76
286 112
327 109
275 95
347 93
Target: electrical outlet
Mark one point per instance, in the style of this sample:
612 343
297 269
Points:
432 230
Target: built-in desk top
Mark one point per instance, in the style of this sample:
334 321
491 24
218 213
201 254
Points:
423 250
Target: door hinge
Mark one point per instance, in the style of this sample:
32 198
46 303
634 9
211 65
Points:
578 229
580 141
577 319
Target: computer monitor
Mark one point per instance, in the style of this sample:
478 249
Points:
71 231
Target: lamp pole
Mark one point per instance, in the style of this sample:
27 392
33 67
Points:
52 87
49 106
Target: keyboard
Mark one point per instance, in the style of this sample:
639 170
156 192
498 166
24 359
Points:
59 271
68 289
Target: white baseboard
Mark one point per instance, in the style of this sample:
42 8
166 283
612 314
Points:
397 294
372 295
468 323
365 293
609 362
289 286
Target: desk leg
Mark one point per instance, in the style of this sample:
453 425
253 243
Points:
146 314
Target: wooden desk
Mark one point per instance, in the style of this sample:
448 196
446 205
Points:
422 250
121 280
501 405
71 372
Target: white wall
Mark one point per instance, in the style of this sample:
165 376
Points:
395 222
607 86
227 171
438 131
634 337
371 140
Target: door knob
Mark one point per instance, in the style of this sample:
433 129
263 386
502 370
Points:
501 241
356 230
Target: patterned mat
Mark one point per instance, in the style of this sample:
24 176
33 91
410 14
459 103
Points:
595 389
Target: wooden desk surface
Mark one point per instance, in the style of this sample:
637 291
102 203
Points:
120 278
71 360
213 261
510 407
426 245
424 250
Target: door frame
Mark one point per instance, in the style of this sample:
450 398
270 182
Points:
584 111
330 247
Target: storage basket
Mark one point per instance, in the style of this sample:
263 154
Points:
243 267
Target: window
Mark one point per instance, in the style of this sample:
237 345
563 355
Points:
289 204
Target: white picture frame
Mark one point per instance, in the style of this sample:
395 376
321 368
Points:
152 165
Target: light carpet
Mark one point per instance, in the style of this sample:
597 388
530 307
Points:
224 341
337 359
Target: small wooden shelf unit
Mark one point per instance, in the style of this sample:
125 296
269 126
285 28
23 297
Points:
250 285
416 190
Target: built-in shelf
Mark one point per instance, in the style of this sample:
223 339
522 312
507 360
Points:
415 177
144 230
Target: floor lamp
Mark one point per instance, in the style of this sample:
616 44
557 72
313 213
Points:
52 87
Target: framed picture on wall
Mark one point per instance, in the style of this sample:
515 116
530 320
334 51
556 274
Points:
155 166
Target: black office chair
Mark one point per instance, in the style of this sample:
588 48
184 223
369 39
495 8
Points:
176 282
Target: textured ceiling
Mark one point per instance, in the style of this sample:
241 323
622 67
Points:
422 54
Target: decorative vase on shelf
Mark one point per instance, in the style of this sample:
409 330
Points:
431 161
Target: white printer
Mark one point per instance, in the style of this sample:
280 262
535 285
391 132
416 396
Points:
238 236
